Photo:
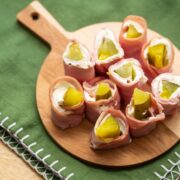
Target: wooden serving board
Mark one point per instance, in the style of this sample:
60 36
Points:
76 140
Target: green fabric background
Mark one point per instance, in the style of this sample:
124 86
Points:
22 53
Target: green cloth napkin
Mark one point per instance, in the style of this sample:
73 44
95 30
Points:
21 56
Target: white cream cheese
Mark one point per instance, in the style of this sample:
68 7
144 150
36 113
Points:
139 72
107 34
84 63
88 97
120 122
156 41
58 96
168 77
135 24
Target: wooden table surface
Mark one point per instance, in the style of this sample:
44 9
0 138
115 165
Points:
13 167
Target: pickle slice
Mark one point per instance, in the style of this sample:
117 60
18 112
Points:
106 49
75 52
132 32
141 102
72 97
168 88
126 71
103 91
110 128
157 55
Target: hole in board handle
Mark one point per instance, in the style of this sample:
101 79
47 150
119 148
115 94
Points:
35 16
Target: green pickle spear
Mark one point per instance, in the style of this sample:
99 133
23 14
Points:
103 91
168 88
157 55
126 71
75 52
72 97
141 103
110 128
106 49
132 32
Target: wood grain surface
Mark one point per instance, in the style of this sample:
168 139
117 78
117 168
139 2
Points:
14 168
76 140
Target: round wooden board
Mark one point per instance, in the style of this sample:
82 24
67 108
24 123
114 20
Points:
76 140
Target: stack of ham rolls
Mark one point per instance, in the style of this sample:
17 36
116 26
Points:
109 86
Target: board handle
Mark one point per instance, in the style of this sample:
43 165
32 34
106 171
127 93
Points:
40 21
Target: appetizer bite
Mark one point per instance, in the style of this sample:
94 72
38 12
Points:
133 35
157 57
78 62
100 94
67 102
111 130
166 89
127 74
143 113
107 50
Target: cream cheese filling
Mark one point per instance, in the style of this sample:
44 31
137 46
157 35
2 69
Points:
58 96
135 24
157 41
84 63
139 72
106 33
88 97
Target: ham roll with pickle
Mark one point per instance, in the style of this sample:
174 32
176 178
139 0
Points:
143 113
100 94
133 35
78 62
157 57
127 74
67 102
107 50
166 89
111 130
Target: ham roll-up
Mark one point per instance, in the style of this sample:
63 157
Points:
133 35
100 94
143 112
157 57
111 130
77 62
166 89
127 74
107 50
67 102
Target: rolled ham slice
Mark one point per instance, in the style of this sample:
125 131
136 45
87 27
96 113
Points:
95 107
126 86
106 35
150 70
83 69
132 46
62 116
173 102
122 139
143 127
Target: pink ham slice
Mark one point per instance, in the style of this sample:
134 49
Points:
150 70
132 46
143 127
171 104
103 65
79 73
124 138
70 116
76 70
94 108
126 88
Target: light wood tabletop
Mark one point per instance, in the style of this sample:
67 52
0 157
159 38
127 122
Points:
13 167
